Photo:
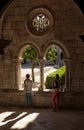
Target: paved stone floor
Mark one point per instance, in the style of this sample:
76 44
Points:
14 118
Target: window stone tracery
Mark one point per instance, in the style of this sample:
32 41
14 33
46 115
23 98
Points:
39 22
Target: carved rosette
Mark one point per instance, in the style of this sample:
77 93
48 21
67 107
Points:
39 22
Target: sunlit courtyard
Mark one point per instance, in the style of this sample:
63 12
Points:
25 69
47 71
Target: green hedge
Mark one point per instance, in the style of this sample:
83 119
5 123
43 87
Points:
50 77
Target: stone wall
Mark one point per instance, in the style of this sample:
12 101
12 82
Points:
70 100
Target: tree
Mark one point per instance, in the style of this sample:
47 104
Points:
31 54
51 54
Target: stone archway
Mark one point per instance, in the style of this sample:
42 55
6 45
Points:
18 54
41 61
66 59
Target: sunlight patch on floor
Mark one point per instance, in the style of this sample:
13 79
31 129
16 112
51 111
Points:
6 114
25 121
3 116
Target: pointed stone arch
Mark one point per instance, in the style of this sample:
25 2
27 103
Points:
66 58
60 44
18 56
20 48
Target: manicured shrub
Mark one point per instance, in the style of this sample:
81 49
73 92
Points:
50 77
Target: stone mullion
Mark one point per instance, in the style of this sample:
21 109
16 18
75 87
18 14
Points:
67 74
16 73
41 62
19 73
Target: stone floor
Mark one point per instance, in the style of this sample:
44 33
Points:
14 118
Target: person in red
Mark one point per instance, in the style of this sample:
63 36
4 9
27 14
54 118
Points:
56 93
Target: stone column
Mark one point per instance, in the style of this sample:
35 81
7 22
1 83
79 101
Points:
7 70
1 74
67 74
59 61
19 74
15 61
41 63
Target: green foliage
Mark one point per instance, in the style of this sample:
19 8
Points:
50 77
51 54
29 53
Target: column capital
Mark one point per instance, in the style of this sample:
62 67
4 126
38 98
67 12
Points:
41 61
17 61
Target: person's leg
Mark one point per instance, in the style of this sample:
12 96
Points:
29 99
58 100
26 99
54 100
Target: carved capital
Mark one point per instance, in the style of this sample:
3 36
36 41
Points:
41 61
